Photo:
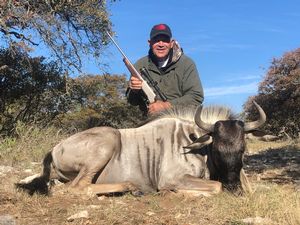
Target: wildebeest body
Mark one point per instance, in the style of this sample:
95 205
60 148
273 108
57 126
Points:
147 156
168 153
159 166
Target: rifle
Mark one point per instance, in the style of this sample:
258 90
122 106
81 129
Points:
148 91
153 83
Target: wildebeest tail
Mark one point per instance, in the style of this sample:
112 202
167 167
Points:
39 185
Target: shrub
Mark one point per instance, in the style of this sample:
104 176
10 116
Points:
279 96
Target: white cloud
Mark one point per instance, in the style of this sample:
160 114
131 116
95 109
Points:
238 77
229 90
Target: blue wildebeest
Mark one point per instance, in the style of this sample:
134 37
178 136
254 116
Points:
192 152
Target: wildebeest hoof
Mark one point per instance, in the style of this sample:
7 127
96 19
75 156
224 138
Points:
137 193
89 192
165 192
130 187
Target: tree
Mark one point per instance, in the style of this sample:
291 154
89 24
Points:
99 100
31 90
71 29
36 92
279 95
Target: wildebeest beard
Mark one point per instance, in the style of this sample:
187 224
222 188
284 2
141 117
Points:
227 154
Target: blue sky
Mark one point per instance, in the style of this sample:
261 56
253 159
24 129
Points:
232 42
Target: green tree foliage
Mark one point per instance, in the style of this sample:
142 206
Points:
31 90
99 100
279 95
71 29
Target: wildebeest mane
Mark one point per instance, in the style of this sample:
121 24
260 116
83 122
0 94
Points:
209 114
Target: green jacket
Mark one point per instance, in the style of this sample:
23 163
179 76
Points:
179 80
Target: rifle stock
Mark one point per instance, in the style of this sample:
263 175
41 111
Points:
151 96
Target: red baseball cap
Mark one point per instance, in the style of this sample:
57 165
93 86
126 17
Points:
160 29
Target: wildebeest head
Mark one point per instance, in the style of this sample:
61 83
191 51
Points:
226 152
226 139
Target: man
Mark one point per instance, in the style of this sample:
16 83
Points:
175 73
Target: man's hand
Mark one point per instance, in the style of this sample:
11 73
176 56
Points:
158 106
135 83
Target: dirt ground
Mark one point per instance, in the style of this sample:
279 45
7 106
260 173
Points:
276 164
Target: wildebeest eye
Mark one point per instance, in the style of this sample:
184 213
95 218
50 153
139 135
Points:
217 125
193 137
240 123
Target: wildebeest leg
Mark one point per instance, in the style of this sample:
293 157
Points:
245 182
83 179
110 188
100 149
83 183
196 186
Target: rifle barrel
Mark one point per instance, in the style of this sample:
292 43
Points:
115 43
145 87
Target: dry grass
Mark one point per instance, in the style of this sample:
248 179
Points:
30 147
273 170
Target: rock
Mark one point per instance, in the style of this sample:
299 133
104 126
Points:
28 179
7 220
101 197
150 213
6 169
56 182
28 171
81 214
94 206
257 220
178 215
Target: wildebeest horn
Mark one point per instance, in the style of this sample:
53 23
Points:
205 126
255 124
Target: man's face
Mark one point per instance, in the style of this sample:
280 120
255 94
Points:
161 46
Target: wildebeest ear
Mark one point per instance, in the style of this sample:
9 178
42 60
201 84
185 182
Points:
200 142
194 138
203 138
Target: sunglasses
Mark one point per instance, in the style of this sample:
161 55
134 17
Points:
162 38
